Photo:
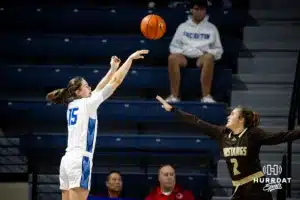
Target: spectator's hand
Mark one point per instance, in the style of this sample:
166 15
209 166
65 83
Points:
165 104
138 54
114 63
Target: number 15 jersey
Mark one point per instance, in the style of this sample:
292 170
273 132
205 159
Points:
82 123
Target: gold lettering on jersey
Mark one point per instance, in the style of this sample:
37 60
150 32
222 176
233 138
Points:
235 166
234 151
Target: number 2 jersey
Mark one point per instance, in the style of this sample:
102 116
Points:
241 151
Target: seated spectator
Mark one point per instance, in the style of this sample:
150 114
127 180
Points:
196 43
114 185
168 189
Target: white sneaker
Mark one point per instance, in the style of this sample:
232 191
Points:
208 99
172 99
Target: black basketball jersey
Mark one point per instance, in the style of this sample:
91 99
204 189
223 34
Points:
241 151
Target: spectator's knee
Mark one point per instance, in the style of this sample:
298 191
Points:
173 58
208 58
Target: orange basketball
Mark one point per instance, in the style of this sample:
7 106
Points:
153 27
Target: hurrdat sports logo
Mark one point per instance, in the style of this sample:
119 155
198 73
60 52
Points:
272 181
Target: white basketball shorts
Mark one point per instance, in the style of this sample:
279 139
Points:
75 171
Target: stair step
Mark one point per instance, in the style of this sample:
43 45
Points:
272 33
280 45
277 5
263 79
13 169
271 87
280 148
268 14
274 157
267 65
273 112
49 196
275 54
274 121
48 178
9 142
219 198
296 184
222 191
13 160
273 128
48 188
261 99
278 23
277 157
7 151
222 182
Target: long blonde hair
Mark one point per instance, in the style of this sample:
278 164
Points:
65 95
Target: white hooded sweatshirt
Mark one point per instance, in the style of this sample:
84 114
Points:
192 40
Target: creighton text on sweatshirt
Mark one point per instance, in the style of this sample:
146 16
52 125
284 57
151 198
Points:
192 39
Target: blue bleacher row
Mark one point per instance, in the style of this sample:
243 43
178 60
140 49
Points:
129 142
138 111
142 152
39 76
191 174
97 46
105 20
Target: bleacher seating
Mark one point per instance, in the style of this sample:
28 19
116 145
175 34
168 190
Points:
37 23
140 164
146 77
139 142
79 48
116 109
91 19
41 48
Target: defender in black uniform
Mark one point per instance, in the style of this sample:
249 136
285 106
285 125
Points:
240 141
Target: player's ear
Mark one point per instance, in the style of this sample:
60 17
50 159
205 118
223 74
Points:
241 120
77 92
241 117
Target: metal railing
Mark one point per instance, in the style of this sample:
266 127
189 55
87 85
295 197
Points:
282 194
294 116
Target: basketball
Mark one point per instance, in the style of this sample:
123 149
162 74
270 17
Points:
153 27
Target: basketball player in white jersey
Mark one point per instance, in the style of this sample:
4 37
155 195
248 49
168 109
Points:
76 164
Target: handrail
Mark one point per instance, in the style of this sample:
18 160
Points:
294 107
281 194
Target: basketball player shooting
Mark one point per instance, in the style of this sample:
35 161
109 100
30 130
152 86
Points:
76 164
239 141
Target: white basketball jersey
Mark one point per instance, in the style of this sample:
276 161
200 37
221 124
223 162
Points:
82 123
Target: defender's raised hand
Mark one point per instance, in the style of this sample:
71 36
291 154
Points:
165 104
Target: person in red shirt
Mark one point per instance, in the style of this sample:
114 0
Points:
168 189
